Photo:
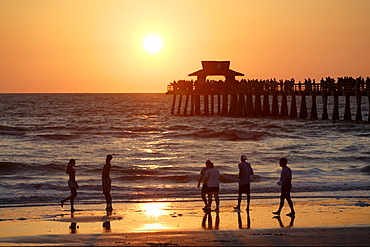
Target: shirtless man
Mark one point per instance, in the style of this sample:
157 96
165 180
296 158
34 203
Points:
245 171
106 182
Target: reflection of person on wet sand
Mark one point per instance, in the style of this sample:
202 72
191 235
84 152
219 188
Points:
208 216
292 217
73 227
73 186
106 226
240 222
106 182
204 187
286 186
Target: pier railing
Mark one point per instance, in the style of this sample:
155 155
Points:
184 87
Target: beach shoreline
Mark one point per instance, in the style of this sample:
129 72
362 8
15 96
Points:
317 222
330 236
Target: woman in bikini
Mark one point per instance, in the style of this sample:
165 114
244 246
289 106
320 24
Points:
73 186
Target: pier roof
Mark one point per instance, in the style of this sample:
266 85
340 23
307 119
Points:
216 68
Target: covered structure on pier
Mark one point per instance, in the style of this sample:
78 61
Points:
216 68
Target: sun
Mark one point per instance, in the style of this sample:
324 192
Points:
152 44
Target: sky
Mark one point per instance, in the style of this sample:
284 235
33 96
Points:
96 46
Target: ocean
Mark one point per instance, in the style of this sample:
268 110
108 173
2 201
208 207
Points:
158 156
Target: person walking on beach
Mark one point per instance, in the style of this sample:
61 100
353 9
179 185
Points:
106 182
212 179
72 184
204 191
286 186
245 172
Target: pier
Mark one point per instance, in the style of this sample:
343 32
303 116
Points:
266 98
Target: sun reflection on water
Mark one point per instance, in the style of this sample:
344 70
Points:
154 226
154 209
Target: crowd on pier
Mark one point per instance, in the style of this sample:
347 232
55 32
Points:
328 84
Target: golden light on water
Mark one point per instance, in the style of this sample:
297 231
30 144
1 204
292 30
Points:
153 212
155 226
154 209
157 158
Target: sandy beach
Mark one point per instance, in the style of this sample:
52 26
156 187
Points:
323 222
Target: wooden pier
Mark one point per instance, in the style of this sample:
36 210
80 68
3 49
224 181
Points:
267 98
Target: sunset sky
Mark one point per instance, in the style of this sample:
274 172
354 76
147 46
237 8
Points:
67 46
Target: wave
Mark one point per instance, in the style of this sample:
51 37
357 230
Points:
366 169
6 130
172 178
228 135
11 168
52 194
58 136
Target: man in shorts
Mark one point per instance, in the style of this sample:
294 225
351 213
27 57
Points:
204 187
212 179
106 182
245 172
286 186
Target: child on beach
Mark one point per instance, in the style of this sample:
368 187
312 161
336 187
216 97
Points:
72 184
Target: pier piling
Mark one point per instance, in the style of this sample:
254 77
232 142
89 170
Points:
325 107
275 106
303 110
313 115
284 106
293 107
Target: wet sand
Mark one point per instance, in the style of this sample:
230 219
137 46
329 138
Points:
322 222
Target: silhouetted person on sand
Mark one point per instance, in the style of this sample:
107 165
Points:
71 183
245 172
204 187
212 179
286 186
106 182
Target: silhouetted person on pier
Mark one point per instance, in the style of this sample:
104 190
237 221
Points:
367 83
106 182
245 172
308 85
204 191
212 178
72 184
286 186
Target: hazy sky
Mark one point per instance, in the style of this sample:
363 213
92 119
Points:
96 46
